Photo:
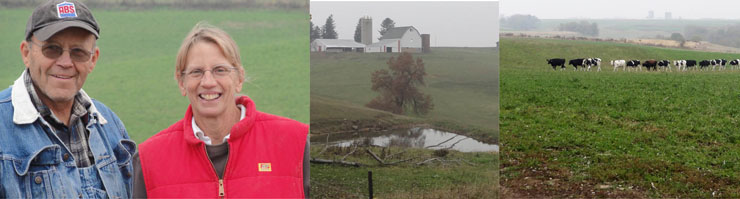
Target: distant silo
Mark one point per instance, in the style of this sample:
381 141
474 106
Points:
366 30
425 47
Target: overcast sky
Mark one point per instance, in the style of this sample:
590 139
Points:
459 24
623 9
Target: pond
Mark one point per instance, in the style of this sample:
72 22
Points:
413 137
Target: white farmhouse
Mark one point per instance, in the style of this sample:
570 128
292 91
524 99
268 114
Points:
336 45
398 39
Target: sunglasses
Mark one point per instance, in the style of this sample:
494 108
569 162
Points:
54 51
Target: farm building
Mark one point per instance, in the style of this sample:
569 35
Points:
401 39
336 45
395 40
389 45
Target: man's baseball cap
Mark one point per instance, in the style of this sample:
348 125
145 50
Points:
57 15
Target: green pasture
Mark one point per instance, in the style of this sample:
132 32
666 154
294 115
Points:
462 82
134 75
450 180
654 134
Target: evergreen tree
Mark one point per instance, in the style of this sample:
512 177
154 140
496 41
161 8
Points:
315 32
387 23
328 30
358 31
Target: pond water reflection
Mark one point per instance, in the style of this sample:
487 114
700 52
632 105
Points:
413 137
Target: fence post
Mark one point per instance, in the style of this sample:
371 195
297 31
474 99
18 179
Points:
370 183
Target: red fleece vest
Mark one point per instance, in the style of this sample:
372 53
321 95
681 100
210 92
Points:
265 159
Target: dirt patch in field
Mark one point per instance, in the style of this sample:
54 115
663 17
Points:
550 180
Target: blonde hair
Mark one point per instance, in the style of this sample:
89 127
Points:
204 32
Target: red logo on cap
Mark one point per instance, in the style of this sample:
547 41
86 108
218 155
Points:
66 9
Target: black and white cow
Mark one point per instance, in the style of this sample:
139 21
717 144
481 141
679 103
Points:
734 64
619 63
705 64
633 64
557 62
592 62
720 63
575 63
650 64
690 64
664 65
680 64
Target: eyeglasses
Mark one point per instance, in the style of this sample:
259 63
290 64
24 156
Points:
54 51
217 72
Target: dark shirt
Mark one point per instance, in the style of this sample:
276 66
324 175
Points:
219 155
73 136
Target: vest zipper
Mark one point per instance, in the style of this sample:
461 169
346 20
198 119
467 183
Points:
221 188
221 192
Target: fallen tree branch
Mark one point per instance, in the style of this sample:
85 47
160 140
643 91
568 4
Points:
453 145
436 145
375 156
341 162
427 161
351 152
396 162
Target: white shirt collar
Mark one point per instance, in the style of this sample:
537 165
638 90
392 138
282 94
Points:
201 136
25 113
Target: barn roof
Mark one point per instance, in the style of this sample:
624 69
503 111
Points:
397 32
345 43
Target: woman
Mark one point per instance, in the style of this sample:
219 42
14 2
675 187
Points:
223 147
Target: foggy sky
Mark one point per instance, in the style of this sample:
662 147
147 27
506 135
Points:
623 9
458 24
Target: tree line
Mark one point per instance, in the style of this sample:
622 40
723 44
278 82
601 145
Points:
728 35
328 30
531 22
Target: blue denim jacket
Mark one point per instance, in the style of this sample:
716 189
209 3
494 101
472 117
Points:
35 164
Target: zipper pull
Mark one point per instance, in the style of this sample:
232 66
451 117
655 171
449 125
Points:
221 188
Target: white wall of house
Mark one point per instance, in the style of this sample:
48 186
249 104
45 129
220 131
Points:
317 46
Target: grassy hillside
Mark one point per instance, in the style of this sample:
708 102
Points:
463 84
461 81
134 75
616 134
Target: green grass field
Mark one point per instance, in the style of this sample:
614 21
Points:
463 84
616 134
134 74
461 81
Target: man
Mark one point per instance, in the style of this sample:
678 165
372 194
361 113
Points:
55 141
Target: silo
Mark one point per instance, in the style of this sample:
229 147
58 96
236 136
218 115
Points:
366 30
425 46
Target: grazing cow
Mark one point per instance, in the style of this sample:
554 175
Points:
634 64
690 63
719 63
619 63
679 64
650 64
592 62
575 63
705 64
734 64
665 65
557 62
